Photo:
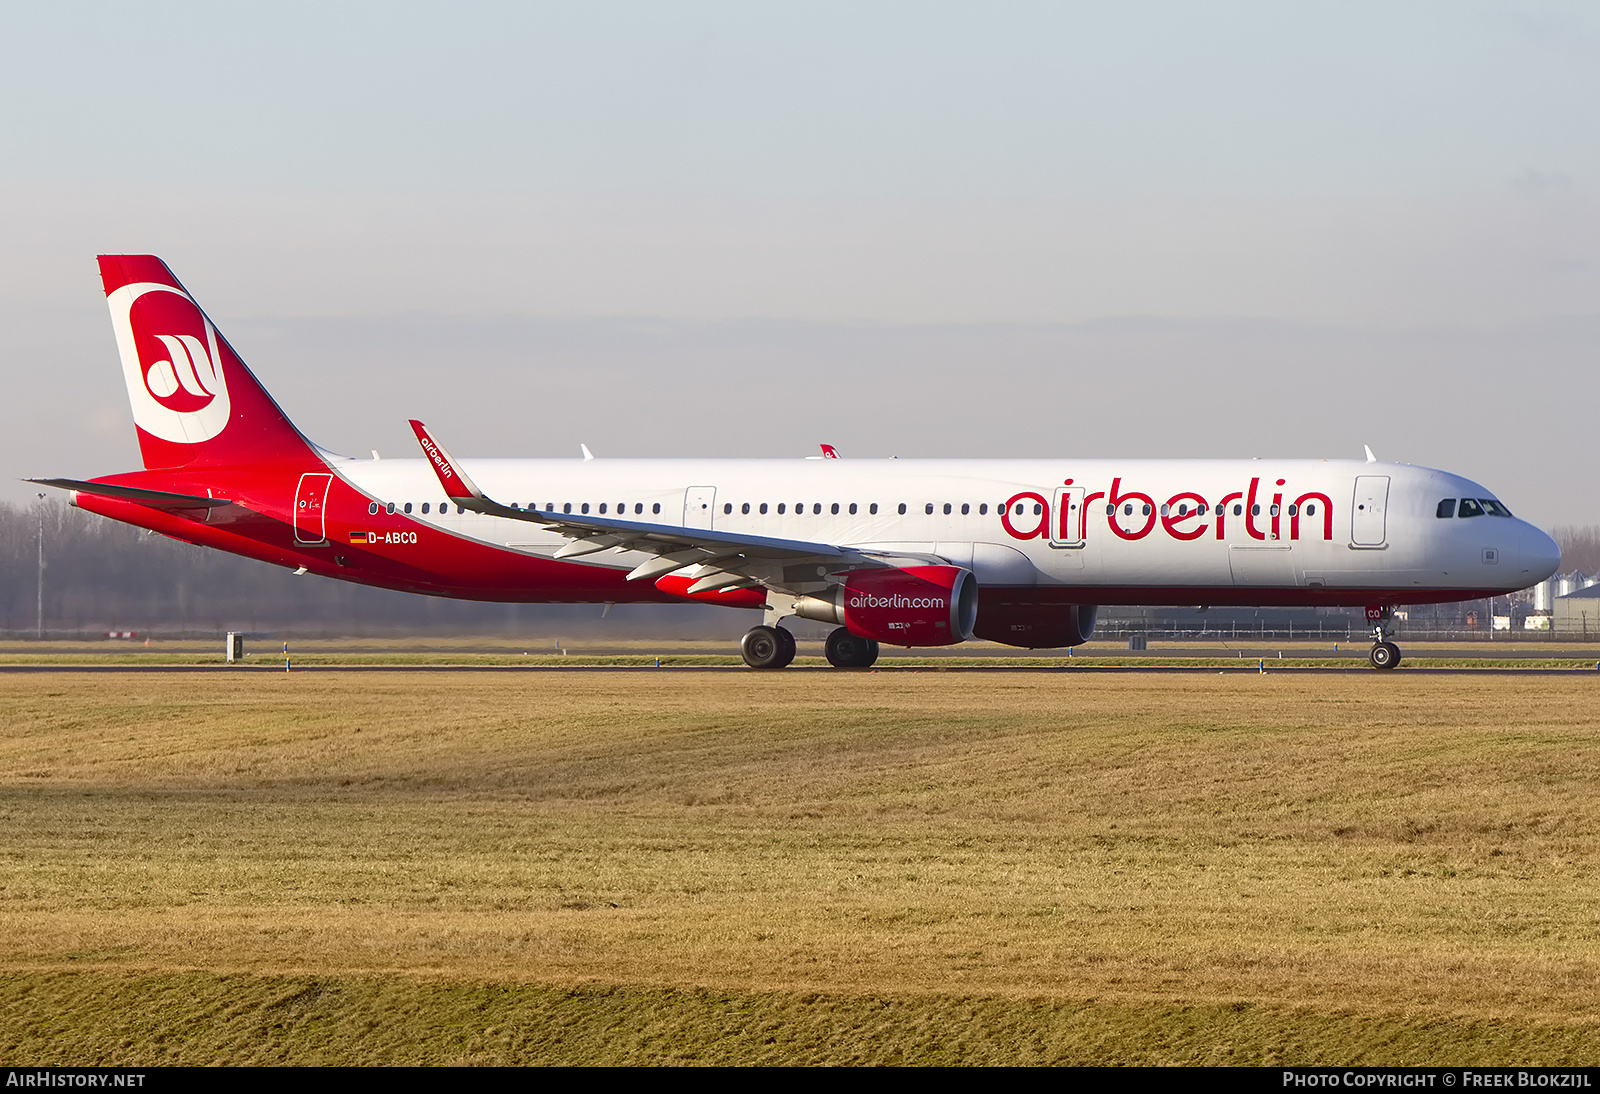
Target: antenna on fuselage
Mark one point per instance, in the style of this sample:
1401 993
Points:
1370 457
587 455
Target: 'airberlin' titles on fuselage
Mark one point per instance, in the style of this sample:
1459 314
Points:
1186 515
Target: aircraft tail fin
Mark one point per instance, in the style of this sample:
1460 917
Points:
194 402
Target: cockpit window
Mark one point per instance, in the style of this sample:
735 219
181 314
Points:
1494 508
1470 508
1447 508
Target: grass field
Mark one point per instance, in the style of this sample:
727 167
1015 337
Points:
799 867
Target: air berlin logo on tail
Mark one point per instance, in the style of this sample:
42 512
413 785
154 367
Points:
172 362
188 366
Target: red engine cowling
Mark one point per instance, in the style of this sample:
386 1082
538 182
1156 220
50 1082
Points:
916 606
1035 626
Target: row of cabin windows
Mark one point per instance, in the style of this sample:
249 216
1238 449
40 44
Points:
1185 509
1471 507
782 508
375 508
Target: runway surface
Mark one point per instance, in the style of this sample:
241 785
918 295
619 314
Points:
1250 668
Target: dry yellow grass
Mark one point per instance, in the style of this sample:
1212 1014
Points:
1354 851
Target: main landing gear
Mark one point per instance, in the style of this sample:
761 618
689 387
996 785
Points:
1384 653
773 648
767 648
849 651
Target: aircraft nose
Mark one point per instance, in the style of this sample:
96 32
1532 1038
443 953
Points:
1538 554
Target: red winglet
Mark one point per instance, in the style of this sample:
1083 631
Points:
457 487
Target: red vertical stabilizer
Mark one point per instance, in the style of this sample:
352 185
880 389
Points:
195 403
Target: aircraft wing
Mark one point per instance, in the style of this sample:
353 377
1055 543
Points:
722 560
155 499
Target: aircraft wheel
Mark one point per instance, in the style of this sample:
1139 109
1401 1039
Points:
763 648
1384 655
786 654
849 651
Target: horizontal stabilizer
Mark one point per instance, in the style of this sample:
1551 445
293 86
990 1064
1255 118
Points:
155 499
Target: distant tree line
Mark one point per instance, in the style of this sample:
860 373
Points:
1580 548
101 575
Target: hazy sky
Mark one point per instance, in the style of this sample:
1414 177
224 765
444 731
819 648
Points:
740 229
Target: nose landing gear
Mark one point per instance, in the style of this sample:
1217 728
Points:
1384 653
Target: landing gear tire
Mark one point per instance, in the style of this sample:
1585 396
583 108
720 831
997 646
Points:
788 647
1384 655
849 651
767 647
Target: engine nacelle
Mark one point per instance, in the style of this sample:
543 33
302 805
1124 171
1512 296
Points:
914 606
1036 626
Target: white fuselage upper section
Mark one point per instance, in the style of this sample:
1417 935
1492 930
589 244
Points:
1122 524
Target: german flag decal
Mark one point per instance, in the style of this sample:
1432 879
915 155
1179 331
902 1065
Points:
360 537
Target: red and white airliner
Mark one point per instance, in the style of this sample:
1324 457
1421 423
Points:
909 552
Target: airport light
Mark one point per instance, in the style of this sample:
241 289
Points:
41 568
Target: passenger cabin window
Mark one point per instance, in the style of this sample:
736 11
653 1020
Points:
1447 509
656 508
372 509
780 508
390 508
1470 508
928 509
873 509
424 508
902 509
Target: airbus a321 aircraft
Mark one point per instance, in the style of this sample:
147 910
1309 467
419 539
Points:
908 552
